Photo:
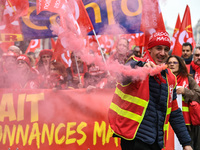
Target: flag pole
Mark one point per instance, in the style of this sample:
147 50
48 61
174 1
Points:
100 49
142 51
79 77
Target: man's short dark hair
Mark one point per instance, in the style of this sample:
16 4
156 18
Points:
198 47
188 44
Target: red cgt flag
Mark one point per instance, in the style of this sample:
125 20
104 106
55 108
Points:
106 42
11 10
33 45
61 54
176 31
53 44
152 19
76 6
136 39
83 17
185 33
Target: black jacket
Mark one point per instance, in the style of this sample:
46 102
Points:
151 128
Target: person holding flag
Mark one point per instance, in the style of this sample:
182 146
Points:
140 111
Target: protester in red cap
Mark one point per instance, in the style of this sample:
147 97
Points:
9 65
47 52
43 65
141 111
26 76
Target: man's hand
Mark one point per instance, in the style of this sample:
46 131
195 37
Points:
180 90
188 147
150 64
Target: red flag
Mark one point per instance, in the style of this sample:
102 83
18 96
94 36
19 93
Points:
76 7
136 39
185 33
61 55
176 31
33 45
106 42
53 44
91 43
152 19
68 29
9 24
15 9
82 16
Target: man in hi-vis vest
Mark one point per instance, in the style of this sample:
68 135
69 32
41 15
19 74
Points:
141 111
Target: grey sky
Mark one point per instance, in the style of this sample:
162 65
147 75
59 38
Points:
171 8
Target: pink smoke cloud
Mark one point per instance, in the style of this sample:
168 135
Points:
73 40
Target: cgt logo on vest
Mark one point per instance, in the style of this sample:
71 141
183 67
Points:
171 87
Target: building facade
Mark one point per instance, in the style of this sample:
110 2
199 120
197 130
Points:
196 33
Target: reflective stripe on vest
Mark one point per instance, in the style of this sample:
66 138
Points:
171 80
166 125
185 111
128 108
131 99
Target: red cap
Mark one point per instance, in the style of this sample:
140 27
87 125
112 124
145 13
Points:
46 52
24 58
159 38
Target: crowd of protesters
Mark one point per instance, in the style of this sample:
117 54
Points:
25 71
22 71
